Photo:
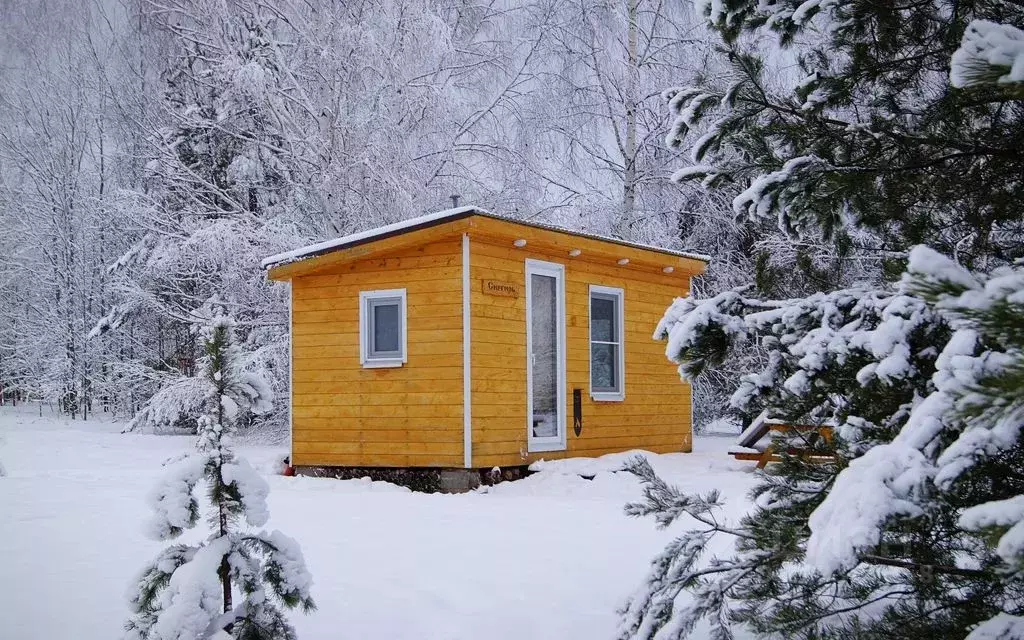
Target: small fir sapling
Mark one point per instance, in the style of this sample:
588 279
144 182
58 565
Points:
237 582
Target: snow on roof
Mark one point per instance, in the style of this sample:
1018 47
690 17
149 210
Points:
437 217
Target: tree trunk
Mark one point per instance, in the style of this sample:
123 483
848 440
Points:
629 161
221 383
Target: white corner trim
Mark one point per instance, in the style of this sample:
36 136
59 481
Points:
291 377
691 415
467 380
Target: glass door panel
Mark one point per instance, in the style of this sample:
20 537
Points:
545 304
544 356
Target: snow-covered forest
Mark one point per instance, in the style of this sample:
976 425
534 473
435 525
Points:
852 168
152 153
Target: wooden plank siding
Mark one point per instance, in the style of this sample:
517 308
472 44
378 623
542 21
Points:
346 415
412 416
655 414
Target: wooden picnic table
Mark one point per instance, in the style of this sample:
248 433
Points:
771 454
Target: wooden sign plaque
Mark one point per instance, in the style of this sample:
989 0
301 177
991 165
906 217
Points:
500 288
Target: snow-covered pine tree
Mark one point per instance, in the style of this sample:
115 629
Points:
917 530
864 132
236 582
857 359
219 197
959 453
962 444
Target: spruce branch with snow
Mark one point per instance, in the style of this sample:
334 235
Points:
990 53
237 581
864 134
914 530
960 445
862 361
676 568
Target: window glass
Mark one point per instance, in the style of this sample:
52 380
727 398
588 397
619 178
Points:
544 356
603 369
606 375
382 341
387 329
602 318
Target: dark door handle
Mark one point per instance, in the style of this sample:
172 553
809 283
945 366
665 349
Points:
577 411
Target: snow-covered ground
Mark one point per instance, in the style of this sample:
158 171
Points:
551 556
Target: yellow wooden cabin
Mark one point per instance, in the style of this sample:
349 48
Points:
467 340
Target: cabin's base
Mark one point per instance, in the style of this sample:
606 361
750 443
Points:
424 479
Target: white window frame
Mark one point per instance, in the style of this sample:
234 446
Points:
556 442
365 358
620 310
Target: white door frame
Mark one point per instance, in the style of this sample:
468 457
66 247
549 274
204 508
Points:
556 271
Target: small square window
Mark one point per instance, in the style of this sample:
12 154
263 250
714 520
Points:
607 341
382 330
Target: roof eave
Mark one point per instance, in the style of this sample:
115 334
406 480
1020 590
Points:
277 266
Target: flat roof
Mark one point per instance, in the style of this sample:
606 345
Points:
439 217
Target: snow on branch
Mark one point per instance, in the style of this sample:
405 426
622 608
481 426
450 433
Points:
1000 627
888 480
974 413
875 487
284 568
252 489
142 596
176 404
1006 515
173 500
805 338
699 332
192 599
989 53
655 610
114 318
770 192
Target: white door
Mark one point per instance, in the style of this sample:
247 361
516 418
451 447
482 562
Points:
545 353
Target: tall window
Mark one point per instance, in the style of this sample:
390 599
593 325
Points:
607 364
382 328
